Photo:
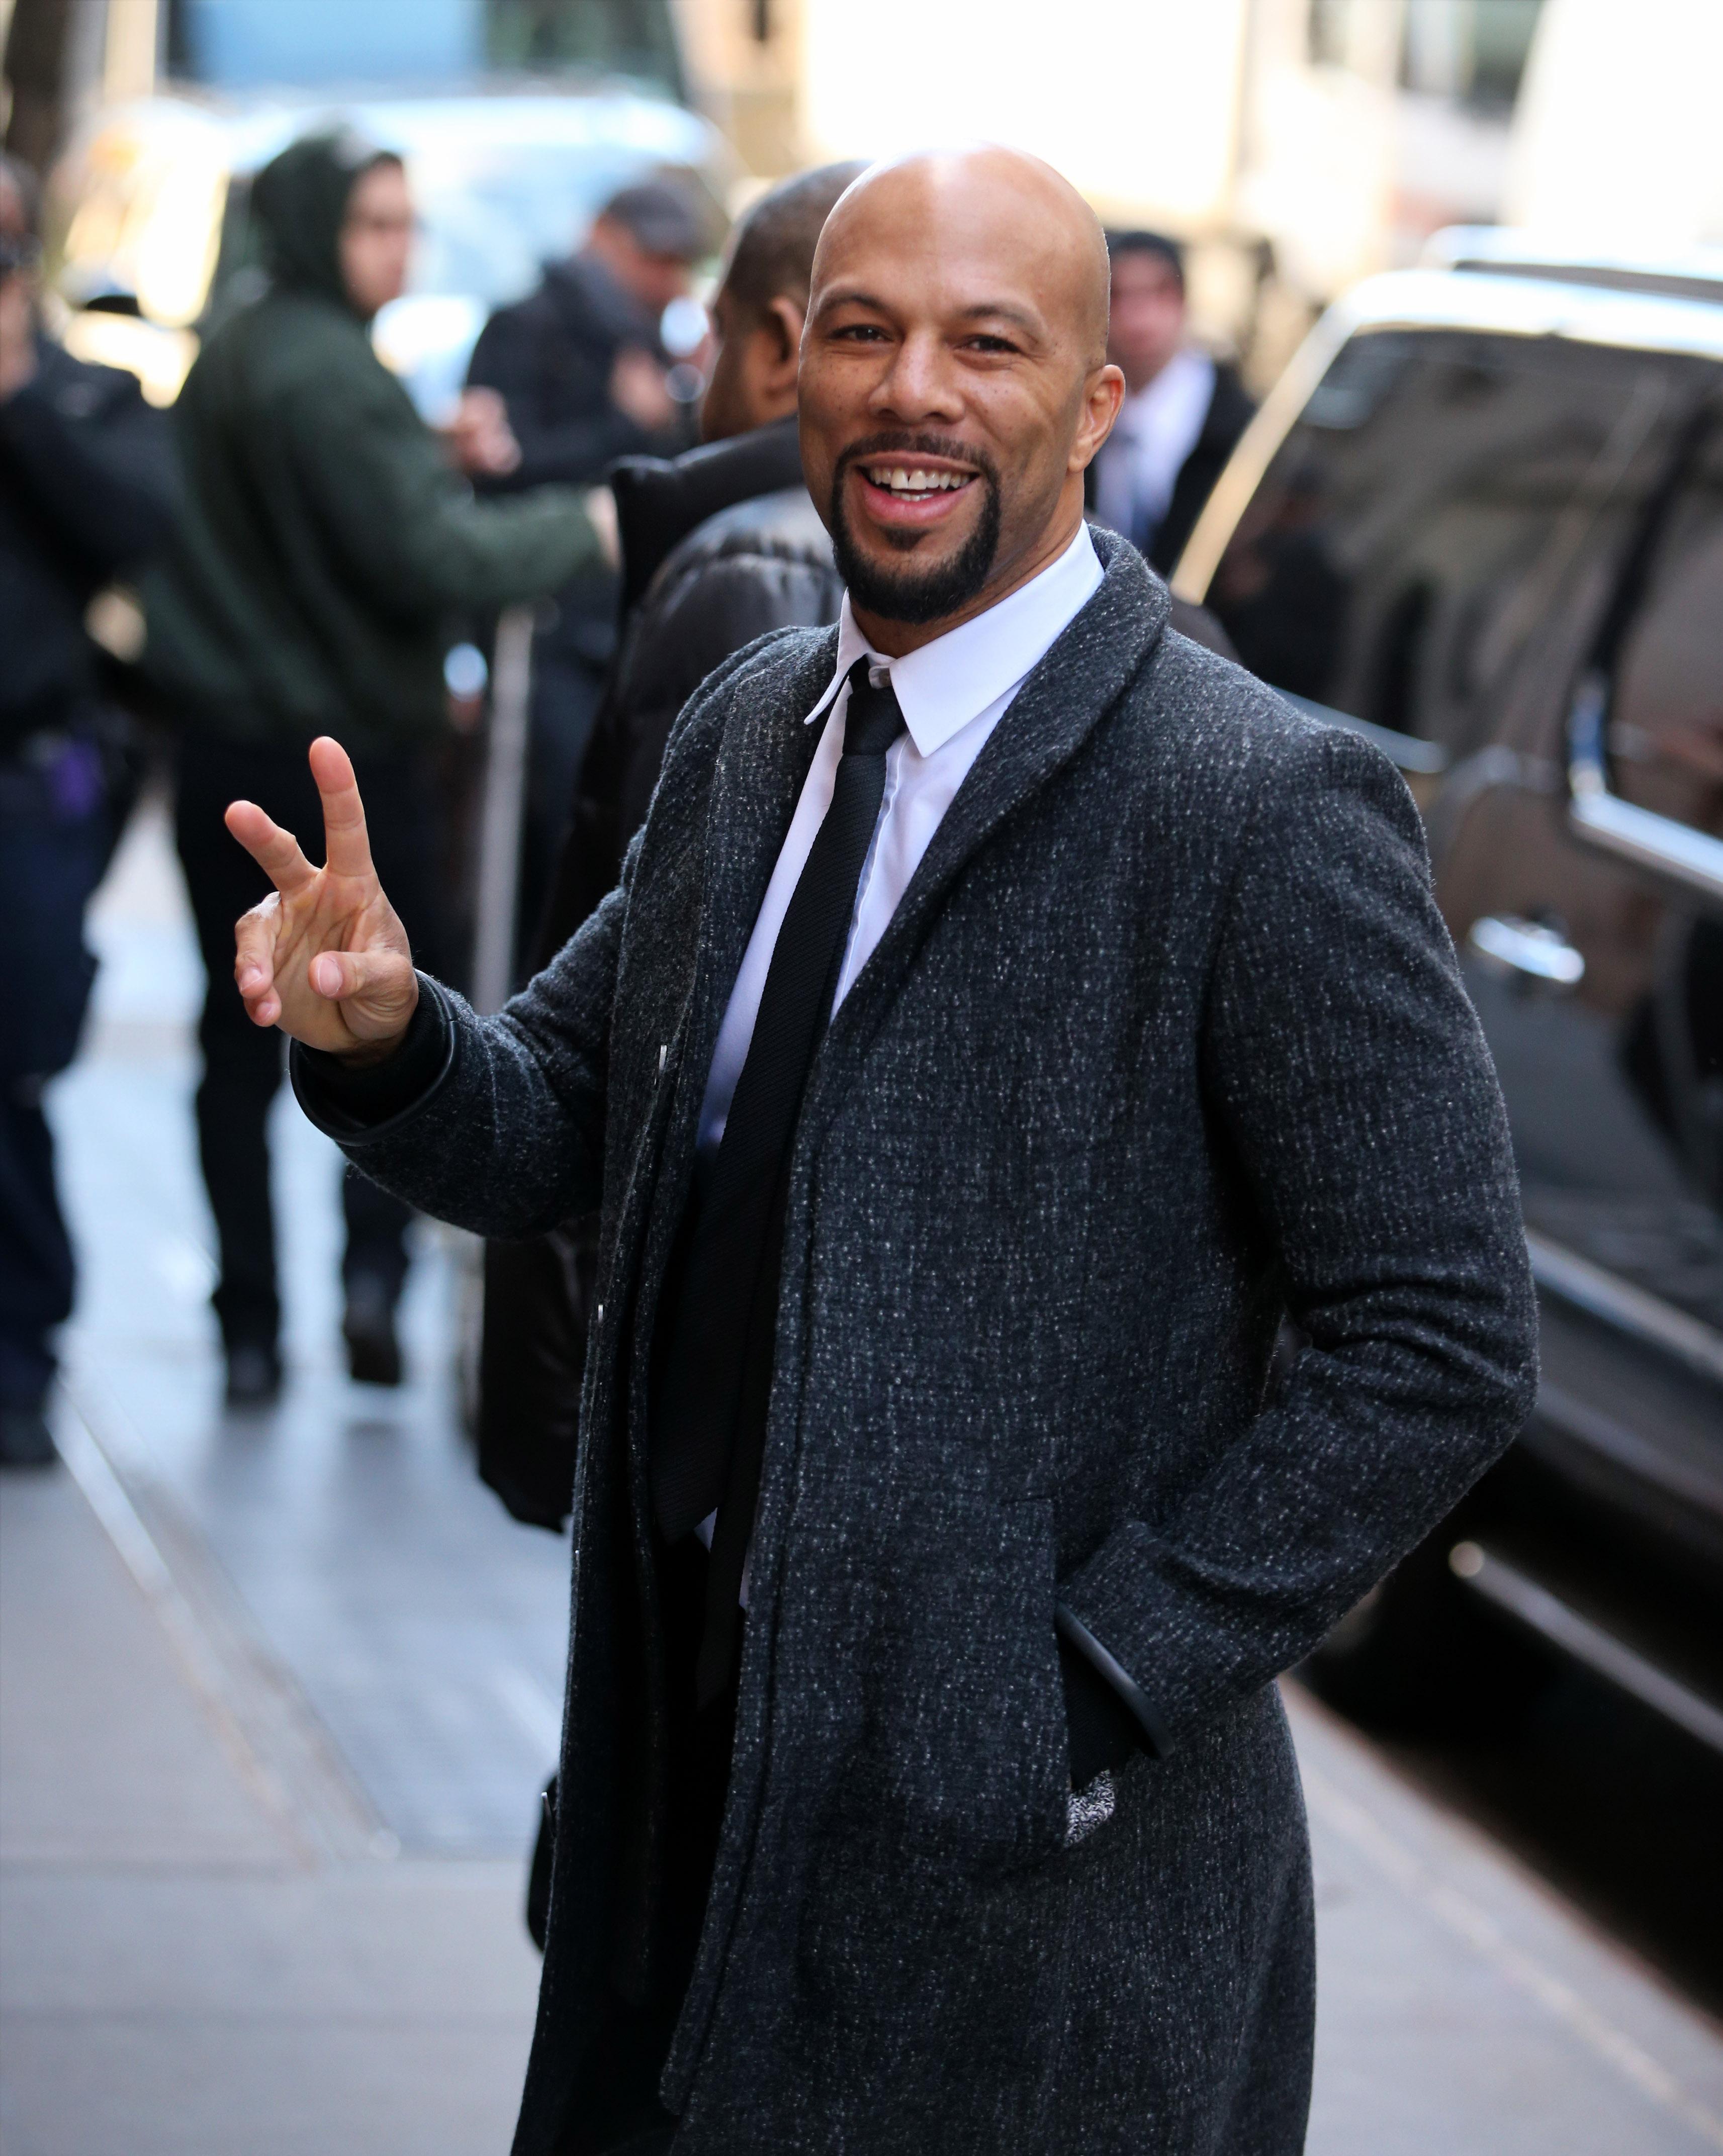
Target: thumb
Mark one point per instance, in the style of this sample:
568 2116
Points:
380 977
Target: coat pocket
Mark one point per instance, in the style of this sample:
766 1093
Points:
956 1760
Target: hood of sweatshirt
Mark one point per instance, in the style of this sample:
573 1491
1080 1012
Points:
300 199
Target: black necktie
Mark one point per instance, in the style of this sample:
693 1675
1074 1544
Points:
709 1434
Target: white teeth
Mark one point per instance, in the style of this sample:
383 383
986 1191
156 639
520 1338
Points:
900 481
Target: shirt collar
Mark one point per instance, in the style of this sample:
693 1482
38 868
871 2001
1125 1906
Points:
947 683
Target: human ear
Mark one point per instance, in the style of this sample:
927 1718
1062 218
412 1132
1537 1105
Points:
1102 394
783 324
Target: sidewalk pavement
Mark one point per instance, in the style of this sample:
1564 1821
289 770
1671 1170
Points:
276 1693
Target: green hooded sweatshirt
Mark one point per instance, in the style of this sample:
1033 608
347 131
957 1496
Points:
326 540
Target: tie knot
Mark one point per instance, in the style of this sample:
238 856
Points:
872 722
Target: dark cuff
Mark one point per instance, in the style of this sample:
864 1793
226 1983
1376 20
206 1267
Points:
1108 1718
357 1101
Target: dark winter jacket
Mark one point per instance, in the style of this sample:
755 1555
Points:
87 486
549 358
718 546
1166 1039
751 556
326 540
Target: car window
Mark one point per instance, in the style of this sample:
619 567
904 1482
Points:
1666 711
1430 506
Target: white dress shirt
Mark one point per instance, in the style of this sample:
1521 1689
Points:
953 693
1156 429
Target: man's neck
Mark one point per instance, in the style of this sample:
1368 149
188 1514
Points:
897 639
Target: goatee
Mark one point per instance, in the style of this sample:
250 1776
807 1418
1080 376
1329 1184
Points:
911 595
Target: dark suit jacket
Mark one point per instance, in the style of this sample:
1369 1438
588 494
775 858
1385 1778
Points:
1166 1039
1230 412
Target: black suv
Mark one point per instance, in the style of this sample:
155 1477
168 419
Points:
1480 521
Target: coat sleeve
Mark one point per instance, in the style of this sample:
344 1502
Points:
1346 1067
410 531
502 1132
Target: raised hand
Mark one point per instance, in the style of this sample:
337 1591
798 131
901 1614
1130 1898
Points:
324 956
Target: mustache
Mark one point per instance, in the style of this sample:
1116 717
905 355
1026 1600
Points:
907 442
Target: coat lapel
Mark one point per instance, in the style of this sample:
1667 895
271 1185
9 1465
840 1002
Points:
763 761
1076 683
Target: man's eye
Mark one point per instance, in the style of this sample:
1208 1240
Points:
859 332
991 344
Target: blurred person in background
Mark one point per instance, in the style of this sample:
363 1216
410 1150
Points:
325 540
578 375
86 489
1183 412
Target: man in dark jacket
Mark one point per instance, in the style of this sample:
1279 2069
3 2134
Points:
582 375
86 487
324 545
1183 411
718 546
957 1306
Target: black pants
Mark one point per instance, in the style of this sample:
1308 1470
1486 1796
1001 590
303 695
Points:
567 687
630 2039
243 1063
54 834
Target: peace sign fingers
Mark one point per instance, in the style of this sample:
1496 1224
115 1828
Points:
346 847
276 852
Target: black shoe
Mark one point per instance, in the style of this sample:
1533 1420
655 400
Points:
254 1374
24 1438
373 1353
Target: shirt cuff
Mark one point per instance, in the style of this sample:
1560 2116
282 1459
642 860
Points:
356 1102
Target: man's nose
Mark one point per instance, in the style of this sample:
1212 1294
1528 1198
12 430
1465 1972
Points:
921 383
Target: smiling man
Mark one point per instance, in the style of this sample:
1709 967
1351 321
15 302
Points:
1009 1012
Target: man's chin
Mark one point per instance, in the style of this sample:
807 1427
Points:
916 578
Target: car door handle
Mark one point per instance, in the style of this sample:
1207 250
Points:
1526 951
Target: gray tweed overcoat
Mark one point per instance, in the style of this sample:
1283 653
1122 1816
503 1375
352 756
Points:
1165 1039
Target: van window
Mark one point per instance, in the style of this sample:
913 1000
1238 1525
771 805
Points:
1431 506
1666 711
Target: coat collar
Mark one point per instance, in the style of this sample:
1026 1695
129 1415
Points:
764 755
1082 675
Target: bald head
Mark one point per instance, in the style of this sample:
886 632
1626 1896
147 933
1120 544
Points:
954 383
1000 203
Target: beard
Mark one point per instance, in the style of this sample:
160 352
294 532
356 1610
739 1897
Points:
911 595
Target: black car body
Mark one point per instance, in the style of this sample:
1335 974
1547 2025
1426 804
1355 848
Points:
1481 520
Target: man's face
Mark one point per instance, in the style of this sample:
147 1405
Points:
950 396
651 280
376 238
1147 323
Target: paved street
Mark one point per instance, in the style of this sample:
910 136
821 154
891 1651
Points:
277 1693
